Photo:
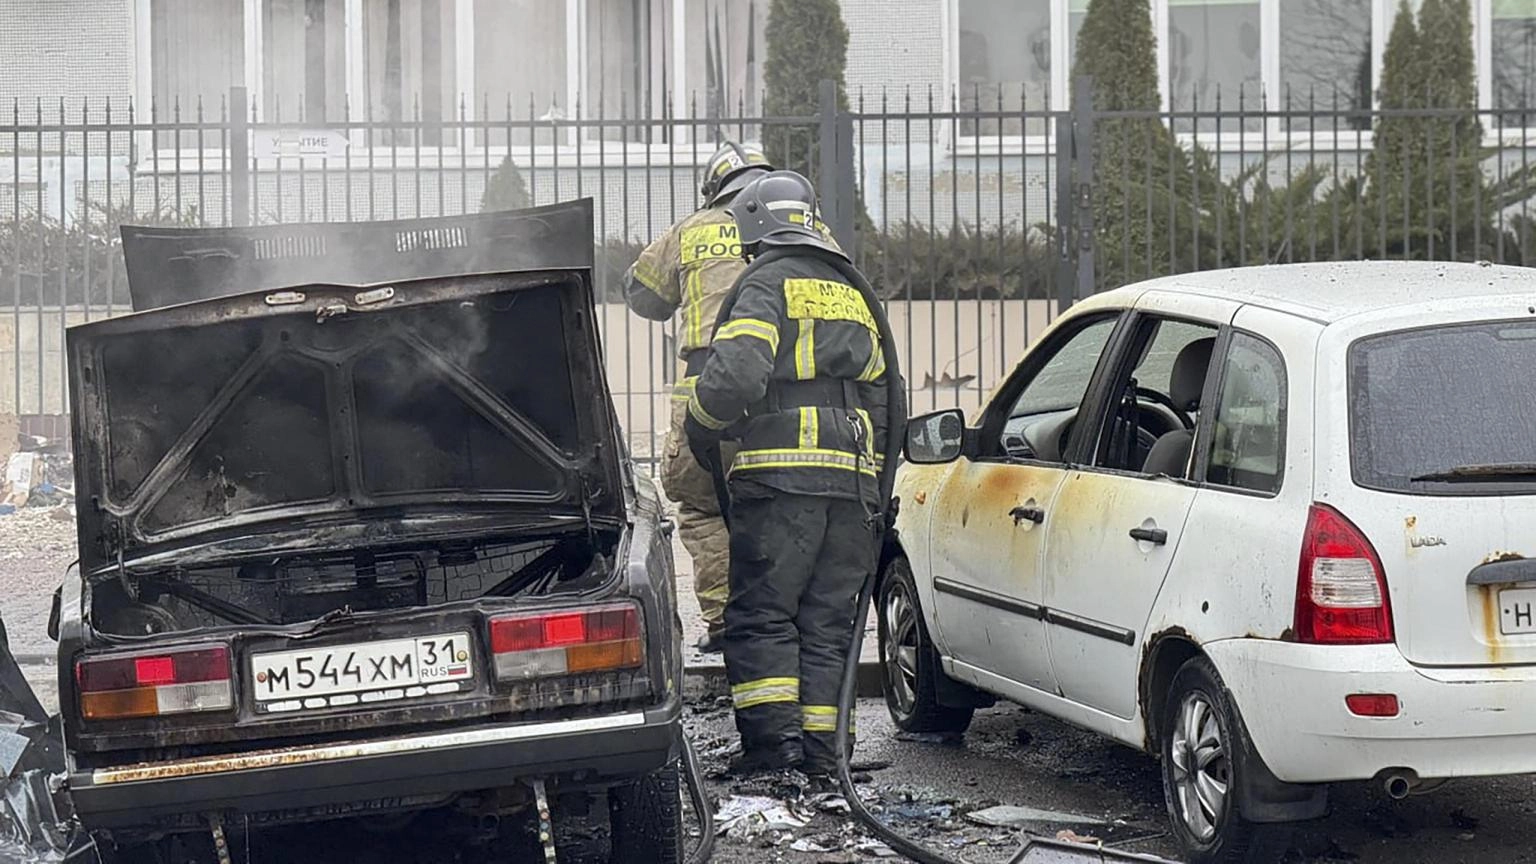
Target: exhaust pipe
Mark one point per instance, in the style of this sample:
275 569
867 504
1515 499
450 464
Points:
489 825
1399 783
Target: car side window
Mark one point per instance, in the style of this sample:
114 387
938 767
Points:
1040 421
1062 381
1248 438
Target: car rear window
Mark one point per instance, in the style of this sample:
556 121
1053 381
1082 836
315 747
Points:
1439 410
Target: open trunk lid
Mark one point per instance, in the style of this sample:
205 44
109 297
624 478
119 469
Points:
402 406
169 266
1443 445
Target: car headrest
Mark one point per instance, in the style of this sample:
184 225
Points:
1189 369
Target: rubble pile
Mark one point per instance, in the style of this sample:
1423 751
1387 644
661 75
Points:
39 475
37 498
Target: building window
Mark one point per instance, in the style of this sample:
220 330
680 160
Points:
1077 10
1214 48
1004 51
1325 60
526 77
1514 61
303 56
408 62
627 66
196 51
727 46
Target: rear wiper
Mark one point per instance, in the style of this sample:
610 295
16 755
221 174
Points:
1492 473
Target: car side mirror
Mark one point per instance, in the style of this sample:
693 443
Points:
56 613
937 438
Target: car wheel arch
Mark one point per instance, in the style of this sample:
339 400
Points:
1162 658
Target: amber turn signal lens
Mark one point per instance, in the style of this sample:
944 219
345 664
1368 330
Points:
602 656
120 704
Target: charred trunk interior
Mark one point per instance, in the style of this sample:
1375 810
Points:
261 591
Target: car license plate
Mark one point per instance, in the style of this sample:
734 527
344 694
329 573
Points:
1517 611
364 673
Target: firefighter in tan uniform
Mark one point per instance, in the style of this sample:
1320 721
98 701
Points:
692 268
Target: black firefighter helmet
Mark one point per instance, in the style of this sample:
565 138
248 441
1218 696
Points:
731 168
779 209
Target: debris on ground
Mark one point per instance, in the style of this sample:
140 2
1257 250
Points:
875 848
948 739
19 477
1009 816
37 824
37 479
1070 836
32 532
746 817
869 766
1460 819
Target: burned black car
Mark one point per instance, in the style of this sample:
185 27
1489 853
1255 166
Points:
371 547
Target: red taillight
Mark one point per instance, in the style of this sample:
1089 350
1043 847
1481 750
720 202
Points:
1341 590
153 671
542 644
1372 704
116 687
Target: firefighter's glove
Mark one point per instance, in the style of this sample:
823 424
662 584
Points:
701 439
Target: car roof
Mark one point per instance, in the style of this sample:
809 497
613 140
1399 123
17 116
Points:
1331 291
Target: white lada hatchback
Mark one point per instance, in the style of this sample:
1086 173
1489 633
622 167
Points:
1276 525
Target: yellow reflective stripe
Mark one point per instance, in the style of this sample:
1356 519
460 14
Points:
682 391
820 718
876 365
805 350
648 276
802 457
757 683
764 691
707 420
869 432
810 434
754 327
714 592
693 319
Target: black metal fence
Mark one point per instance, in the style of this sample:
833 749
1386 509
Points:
976 217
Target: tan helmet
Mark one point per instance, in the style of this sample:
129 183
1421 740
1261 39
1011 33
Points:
731 168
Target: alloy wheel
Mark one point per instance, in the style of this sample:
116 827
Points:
901 647
1202 770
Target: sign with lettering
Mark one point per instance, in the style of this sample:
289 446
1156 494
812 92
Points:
299 143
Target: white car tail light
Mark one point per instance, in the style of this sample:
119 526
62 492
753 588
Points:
1341 590
566 642
119 687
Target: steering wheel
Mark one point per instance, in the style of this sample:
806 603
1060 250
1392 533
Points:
1166 402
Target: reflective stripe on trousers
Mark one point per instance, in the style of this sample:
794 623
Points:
765 691
822 718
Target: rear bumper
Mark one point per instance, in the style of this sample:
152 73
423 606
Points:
593 750
1473 722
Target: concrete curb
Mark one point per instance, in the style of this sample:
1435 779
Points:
707 681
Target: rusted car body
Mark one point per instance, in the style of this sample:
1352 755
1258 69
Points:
361 548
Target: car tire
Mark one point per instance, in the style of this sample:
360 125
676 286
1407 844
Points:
646 818
1202 748
909 664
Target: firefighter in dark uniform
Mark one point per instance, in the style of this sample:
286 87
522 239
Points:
690 269
796 373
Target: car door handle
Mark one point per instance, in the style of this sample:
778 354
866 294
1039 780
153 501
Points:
1155 536
1033 514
